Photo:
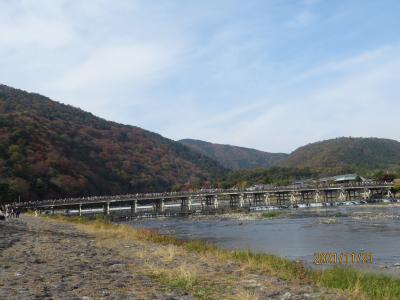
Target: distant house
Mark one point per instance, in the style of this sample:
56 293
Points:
347 178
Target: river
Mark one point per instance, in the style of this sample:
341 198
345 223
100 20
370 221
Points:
300 233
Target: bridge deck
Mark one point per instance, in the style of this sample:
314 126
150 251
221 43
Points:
293 194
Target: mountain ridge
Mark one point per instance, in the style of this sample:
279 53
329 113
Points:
49 149
346 152
337 155
235 157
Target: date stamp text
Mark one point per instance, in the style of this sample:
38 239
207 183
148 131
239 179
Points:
343 258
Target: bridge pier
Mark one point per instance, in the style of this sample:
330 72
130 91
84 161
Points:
374 194
267 199
134 207
215 200
380 193
389 194
241 200
234 201
159 207
259 199
106 209
203 203
293 199
342 195
351 194
211 201
366 194
317 196
328 196
186 204
282 198
279 199
306 196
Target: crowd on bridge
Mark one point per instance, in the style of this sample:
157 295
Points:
139 196
121 197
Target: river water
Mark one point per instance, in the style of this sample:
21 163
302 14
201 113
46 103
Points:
300 233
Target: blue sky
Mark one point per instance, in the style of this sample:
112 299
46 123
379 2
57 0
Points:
271 75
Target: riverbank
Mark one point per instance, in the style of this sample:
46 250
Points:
76 258
43 259
298 234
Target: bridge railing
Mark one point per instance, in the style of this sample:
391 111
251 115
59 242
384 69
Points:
142 196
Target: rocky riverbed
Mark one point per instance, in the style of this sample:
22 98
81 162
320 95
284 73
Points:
43 259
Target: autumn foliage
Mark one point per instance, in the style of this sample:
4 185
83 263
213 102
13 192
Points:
48 149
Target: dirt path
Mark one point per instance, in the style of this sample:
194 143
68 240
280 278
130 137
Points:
46 259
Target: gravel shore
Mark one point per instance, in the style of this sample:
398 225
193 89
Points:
44 259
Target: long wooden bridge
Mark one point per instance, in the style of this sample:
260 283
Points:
214 200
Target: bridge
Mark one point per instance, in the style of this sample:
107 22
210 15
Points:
215 200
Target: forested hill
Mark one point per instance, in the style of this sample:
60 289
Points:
48 149
347 154
234 157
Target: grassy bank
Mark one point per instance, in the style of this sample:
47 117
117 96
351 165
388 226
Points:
273 214
355 284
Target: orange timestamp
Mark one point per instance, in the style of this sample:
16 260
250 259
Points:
343 258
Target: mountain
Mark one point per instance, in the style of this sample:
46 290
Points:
347 154
233 157
48 149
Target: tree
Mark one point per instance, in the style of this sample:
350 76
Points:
243 185
176 187
388 177
20 187
4 193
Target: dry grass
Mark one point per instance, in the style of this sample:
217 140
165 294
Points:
182 277
246 295
167 253
357 285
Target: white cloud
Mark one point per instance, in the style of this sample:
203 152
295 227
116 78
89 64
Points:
84 53
363 101
228 73
362 60
112 65
23 24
